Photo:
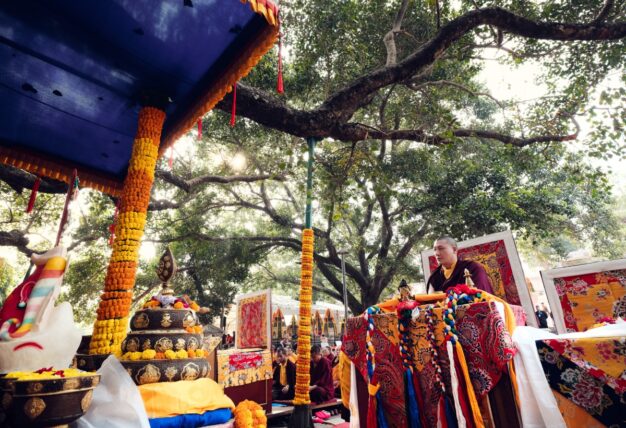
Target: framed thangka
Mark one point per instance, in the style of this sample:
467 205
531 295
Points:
583 295
254 320
498 254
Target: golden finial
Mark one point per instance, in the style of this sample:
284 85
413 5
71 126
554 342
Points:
468 278
166 270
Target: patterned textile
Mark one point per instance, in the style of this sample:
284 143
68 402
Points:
590 373
252 321
389 372
259 367
487 344
586 299
494 258
427 374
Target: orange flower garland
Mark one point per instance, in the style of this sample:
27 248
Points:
112 321
249 414
303 376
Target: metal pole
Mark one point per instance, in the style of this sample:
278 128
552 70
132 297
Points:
345 289
308 215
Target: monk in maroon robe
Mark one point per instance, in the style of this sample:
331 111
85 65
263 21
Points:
322 388
451 269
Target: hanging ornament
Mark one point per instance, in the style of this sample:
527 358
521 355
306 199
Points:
279 83
33 195
200 129
233 111
170 161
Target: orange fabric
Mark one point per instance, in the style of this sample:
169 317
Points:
166 399
574 415
341 373
471 396
390 305
447 273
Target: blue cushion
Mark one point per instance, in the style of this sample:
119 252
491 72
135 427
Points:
212 417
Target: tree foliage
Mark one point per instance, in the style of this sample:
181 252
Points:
415 146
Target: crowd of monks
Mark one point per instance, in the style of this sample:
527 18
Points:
325 374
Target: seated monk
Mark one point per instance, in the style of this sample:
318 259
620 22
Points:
284 377
321 388
450 271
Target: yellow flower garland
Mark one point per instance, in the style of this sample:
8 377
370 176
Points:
112 321
303 376
249 414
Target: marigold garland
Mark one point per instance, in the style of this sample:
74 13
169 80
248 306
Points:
116 300
249 414
303 376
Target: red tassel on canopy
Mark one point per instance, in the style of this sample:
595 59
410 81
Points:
33 195
279 84
233 112
200 129
170 161
112 225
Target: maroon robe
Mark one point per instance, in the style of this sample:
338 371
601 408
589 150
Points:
481 280
322 378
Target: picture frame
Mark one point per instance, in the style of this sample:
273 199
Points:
498 253
254 320
581 295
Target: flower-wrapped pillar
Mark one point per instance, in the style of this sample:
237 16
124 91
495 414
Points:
112 321
301 417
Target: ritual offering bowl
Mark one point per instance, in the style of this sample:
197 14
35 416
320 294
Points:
150 371
90 362
47 398
165 340
163 318
161 341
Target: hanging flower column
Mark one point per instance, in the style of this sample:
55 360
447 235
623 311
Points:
303 376
112 321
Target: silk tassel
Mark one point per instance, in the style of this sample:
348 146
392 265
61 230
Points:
233 111
33 196
279 83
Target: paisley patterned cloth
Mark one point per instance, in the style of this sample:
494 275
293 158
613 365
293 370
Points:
236 367
587 299
389 370
488 350
487 344
589 372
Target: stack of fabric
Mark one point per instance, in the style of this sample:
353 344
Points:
186 404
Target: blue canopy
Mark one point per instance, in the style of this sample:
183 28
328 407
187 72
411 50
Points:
74 74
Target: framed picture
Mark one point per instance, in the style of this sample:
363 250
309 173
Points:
254 320
581 296
498 255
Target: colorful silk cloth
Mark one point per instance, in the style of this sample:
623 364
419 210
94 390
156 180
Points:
590 374
486 342
587 299
493 256
389 371
236 367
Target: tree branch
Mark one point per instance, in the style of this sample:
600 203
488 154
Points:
20 180
17 239
331 117
389 39
191 185
604 12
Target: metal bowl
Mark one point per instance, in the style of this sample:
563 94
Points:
159 319
150 371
